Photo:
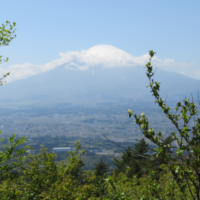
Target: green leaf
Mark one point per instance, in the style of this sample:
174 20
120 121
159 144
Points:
130 112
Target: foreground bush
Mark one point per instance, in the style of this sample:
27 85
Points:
41 177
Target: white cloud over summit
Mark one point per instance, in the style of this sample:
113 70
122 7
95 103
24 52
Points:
104 55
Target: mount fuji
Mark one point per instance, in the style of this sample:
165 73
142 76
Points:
100 74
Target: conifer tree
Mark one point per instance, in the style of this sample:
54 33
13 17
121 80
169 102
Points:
138 160
101 168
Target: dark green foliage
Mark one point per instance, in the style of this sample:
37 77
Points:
101 168
137 160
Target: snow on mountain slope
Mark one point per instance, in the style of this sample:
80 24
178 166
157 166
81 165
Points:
106 56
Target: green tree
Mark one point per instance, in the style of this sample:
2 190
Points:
75 163
164 143
11 158
39 172
101 168
185 171
41 177
138 160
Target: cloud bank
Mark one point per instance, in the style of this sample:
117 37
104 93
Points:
100 55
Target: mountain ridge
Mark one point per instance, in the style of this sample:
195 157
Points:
95 85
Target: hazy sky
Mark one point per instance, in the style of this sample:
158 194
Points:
46 28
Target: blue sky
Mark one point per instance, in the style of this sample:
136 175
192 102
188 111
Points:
47 28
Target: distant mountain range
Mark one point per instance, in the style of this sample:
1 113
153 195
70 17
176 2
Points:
97 84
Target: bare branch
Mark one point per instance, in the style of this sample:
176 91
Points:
126 149
166 100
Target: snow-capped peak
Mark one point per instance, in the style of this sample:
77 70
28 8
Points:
107 54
